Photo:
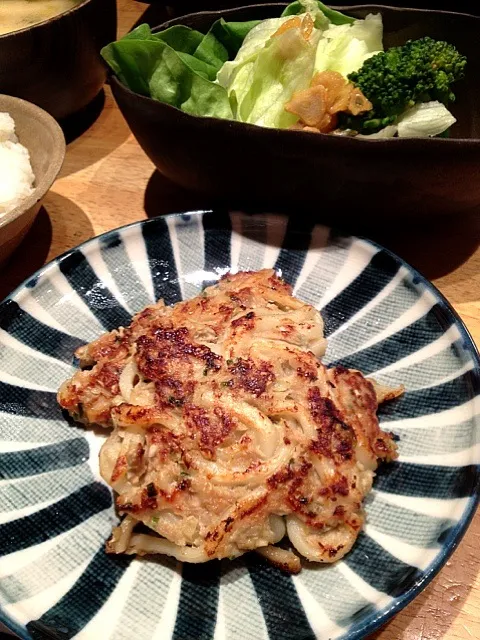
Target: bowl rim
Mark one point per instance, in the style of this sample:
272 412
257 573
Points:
320 138
54 18
55 161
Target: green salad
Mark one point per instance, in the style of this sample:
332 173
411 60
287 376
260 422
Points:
312 69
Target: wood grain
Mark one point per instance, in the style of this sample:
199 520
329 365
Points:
107 181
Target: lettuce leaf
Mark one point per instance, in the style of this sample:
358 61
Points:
425 120
344 48
333 16
266 73
180 38
223 41
237 70
261 80
244 61
179 66
134 59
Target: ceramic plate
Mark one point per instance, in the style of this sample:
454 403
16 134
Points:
380 316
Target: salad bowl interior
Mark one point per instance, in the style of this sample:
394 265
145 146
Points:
399 26
245 165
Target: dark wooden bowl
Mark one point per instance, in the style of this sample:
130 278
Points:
56 64
330 176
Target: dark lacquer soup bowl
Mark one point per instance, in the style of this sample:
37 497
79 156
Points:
56 64
342 176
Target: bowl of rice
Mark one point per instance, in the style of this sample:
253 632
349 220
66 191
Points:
32 150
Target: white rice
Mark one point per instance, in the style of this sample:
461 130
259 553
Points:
16 175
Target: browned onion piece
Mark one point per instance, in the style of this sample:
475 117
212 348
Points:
283 559
385 393
121 535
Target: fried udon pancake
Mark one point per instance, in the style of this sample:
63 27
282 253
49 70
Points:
228 433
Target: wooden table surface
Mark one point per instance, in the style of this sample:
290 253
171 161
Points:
107 181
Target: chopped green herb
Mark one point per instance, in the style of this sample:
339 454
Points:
184 473
205 371
229 361
154 521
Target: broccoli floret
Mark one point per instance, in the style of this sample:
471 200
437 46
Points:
396 79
